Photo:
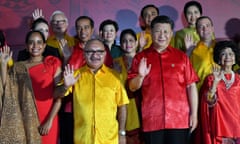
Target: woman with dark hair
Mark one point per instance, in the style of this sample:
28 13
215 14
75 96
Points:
220 109
192 11
28 110
129 44
41 25
108 32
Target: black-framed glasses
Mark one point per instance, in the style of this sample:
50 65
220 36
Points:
97 52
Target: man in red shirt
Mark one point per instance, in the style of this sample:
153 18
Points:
167 82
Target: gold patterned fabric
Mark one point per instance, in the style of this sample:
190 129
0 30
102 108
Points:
18 115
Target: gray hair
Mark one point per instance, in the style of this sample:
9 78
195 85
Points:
58 12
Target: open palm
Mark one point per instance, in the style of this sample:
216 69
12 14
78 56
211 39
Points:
5 54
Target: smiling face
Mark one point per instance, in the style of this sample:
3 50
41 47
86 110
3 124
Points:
59 23
129 43
192 15
205 29
227 57
148 15
35 44
161 35
94 53
84 30
109 33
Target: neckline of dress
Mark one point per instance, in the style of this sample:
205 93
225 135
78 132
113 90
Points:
228 83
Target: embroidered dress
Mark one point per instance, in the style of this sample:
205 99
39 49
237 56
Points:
221 120
26 102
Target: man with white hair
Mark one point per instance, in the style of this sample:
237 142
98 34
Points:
61 40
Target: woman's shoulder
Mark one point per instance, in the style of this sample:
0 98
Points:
52 60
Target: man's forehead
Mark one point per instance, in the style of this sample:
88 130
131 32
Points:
95 45
59 16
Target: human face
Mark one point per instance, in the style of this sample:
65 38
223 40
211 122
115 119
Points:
84 30
94 55
129 44
161 35
42 27
109 33
35 45
192 15
148 15
59 24
205 29
227 57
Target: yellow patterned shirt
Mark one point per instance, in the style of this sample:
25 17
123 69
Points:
96 98
202 60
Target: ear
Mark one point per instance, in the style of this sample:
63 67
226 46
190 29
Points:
101 34
171 33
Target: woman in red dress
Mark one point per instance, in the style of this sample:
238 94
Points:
220 109
30 87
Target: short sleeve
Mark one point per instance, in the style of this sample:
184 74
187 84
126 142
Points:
191 75
52 63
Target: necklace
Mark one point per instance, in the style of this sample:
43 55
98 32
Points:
229 83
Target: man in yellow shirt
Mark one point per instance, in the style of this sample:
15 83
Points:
99 99
202 54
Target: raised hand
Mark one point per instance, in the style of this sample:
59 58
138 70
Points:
68 74
142 41
143 69
217 72
37 13
5 54
189 42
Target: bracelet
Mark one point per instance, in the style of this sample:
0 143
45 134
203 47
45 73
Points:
122 132
210 95
211 98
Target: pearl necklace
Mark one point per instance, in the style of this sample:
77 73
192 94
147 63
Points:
229 83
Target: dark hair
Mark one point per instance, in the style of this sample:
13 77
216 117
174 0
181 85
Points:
38 21
147 6
127 31
108 22
203 17
32 32
162 19
222 45
2 39
84 17
192 3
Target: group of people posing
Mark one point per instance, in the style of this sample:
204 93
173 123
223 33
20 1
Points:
157 87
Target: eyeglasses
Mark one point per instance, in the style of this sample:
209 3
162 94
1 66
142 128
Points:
58 22
97 52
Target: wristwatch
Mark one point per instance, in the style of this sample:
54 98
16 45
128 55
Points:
122 132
